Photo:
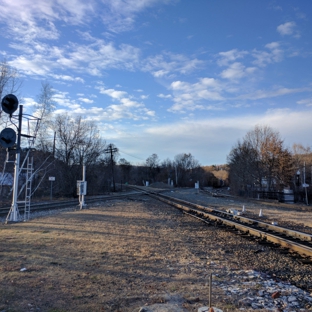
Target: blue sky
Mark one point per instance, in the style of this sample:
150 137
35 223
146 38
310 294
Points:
168 76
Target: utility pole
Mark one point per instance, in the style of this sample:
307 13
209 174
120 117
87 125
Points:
112 150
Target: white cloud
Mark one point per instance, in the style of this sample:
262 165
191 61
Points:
160 73
230 56
236 71
126 106
30 20
30 32
164 96
115 94
100 56
306 102
167 63
286 28
67 78
74 11
38 65
29 102
263 94
272 45
189 96
120 15
93 59
273 55
86 100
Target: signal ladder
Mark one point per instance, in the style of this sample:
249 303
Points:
29 171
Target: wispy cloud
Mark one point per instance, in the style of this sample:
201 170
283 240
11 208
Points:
306 102
120 15
168 64
262 94
273 54
93 59
224 58
67 78
30 20
124 106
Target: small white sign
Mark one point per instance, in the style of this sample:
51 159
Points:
305 185
51 178
81 187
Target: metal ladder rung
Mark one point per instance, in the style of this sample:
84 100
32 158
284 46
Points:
29 169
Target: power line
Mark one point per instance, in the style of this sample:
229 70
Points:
131 155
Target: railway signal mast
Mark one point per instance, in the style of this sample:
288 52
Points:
8 138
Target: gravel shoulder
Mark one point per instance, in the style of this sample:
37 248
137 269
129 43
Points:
122 255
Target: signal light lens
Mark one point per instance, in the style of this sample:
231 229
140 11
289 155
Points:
9 104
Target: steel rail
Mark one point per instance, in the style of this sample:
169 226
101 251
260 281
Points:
263 225
296 241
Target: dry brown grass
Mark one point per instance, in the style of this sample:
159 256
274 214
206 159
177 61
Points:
117 256
108 258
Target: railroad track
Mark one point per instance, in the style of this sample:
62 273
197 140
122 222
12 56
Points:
264 233
57 204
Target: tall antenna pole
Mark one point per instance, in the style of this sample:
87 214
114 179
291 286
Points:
14 213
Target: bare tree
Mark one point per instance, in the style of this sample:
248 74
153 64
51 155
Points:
301 155
77 143
9 79
167 170
9 83
125 167
152 164
44 108
243 166
187 169
260 161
